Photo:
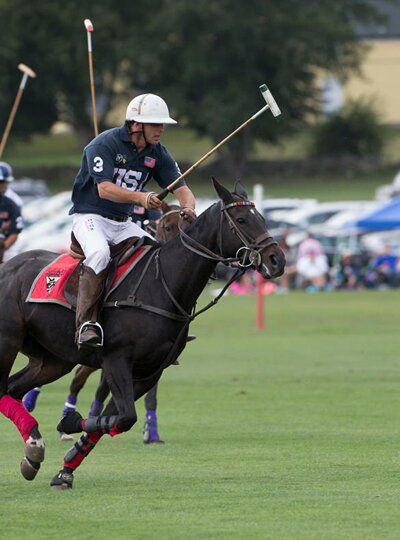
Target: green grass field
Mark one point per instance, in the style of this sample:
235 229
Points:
292 432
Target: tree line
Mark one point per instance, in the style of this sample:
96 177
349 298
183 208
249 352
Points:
205 58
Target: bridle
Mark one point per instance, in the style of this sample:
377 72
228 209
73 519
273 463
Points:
248 255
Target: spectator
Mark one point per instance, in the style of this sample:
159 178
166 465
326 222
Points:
312 265
347 274
382 271
310 245
287 280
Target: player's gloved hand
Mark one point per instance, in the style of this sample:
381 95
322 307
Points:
187 213
152 201
186 216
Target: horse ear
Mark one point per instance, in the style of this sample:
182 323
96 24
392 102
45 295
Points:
222 192
240 190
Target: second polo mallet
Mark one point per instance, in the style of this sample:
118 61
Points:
27 72
271 104
89 29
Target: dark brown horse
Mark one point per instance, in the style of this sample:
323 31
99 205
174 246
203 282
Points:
146 323
164 229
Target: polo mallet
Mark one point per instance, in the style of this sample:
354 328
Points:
89 30
27 72
271 104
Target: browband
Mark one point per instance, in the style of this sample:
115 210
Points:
238 203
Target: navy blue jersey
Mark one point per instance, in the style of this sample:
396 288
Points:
10 217
112 157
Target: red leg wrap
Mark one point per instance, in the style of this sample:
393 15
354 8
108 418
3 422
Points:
16 412
114 431
92 440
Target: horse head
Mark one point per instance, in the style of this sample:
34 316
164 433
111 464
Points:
167 225
243 233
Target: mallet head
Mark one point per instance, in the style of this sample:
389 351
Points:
27 70
270 100
88 25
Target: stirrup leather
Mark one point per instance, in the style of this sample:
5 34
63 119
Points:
84 326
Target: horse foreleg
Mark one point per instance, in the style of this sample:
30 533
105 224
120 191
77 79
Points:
119 416
81 375
81 449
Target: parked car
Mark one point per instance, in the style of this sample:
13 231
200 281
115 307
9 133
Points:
52 233
29 189
320 213
39 209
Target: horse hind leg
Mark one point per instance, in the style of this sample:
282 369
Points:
37 372
27 425
14 410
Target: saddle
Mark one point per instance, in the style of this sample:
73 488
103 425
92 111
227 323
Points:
120 254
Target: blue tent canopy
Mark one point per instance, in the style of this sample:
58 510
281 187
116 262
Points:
384 218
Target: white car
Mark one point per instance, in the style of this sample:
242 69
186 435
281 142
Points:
319 213
52 234
43 209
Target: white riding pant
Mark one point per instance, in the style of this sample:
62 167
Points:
96 234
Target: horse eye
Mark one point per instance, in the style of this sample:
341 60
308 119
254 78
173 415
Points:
241 220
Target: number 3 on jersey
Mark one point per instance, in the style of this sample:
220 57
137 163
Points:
98 164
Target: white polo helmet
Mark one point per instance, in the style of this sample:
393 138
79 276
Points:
149 109
6 172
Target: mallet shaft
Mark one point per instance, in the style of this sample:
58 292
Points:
27 72
89 30
10 120
271 104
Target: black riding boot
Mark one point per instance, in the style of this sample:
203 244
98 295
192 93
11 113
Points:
89 333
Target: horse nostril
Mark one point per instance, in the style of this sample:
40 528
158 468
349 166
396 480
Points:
273 259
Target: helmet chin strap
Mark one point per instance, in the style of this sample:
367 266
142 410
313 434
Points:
142 131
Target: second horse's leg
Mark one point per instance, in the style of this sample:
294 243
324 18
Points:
150 429
101 394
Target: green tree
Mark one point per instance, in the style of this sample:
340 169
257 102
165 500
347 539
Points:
207 58
50 37
213 55
354 131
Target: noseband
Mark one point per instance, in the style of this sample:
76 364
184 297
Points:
248 255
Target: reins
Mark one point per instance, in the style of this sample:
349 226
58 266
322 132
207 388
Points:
251 251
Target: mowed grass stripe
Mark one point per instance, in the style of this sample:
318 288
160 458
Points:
287 433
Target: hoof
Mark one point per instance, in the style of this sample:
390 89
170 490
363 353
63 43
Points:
62 480
70 423
34 450
65 437
155 441
34 455
29 469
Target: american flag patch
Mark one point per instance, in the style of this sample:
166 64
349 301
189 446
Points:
138 210
149 162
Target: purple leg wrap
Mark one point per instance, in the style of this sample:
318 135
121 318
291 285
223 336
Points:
96 408
150 431
30 398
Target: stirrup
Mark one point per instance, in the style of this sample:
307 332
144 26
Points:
86 325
